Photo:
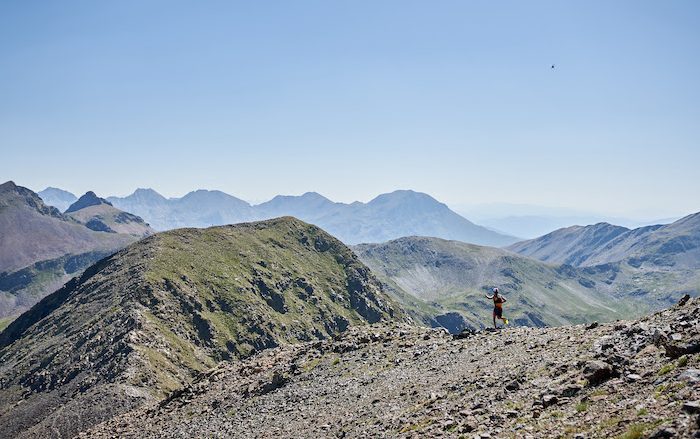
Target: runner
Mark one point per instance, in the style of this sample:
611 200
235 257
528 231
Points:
498 302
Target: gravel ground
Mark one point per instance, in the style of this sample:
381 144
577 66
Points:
624 379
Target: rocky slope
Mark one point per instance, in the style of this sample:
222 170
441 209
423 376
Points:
388 216
99 215
41 248
450 279
628 379
144 321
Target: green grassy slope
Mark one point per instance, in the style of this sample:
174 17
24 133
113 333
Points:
257 285
453 276
149 318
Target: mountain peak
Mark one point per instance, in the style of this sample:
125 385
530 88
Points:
404 195
605 225
141 195
57 198
87 200
207 193
290 204
314 196
147 192
8 186
213 198
19 196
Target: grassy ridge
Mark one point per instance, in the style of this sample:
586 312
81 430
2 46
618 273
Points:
253 286
143 322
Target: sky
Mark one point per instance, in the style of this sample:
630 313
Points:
356 98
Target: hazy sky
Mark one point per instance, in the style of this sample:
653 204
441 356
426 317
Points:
352 99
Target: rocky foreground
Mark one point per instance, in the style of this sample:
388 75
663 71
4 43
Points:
625 379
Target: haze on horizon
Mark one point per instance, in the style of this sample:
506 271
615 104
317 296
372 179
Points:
455 99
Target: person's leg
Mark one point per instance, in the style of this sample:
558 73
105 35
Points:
494 319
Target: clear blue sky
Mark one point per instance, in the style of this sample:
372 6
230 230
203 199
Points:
352 98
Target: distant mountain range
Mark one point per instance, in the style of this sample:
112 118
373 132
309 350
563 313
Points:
388 216
41 248
675 245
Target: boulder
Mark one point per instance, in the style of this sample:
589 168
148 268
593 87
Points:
663 432
570 390
597 372
691 407
513 386
548 400
676 350
692 375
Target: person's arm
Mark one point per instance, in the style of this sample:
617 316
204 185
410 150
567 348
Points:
504 299
489 297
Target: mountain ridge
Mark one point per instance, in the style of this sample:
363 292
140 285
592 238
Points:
87 200
599 244
387 216
146 320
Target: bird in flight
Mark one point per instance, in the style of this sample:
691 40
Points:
552 65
